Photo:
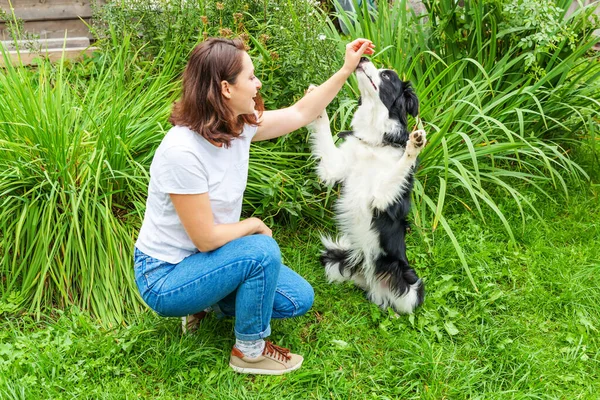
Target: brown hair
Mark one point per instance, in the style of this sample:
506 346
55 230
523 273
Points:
202 108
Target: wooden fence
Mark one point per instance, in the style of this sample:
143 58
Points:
59 25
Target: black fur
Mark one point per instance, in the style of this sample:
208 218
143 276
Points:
400 99
393 264
342 258
345 134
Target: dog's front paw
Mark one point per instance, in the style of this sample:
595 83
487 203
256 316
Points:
311 87
418 137
416 142
321 123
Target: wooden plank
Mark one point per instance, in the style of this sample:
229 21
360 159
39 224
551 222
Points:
45 44
27 57
575 6
52 29
44 12
29 3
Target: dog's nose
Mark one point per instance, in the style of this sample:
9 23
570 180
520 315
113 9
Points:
363 59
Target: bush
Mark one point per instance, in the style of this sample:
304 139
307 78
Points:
286 43
72 178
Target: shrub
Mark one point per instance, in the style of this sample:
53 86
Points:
285 42
74 143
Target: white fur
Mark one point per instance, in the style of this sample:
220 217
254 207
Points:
374 176
332 270
381 295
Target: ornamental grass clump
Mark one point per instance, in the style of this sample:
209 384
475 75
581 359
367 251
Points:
498 110
75 141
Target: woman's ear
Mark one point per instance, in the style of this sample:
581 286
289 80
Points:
225 91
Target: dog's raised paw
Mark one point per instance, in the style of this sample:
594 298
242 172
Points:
418 138
311 87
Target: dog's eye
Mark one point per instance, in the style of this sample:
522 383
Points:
385 75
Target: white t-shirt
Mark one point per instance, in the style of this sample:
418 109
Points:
186 163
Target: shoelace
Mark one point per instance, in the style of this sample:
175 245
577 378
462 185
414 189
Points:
280 353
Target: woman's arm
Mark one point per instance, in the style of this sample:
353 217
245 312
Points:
195 214
280 122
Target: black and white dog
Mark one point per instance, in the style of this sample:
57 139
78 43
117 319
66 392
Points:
375 166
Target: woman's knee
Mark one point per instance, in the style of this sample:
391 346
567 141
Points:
307 300
264 248
288 305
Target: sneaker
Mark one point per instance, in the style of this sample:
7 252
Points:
274 360
190 323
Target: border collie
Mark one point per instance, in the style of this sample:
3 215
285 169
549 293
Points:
375 165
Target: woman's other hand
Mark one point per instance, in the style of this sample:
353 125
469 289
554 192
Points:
354 51
261 228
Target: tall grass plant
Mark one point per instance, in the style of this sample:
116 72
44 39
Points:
77 139
494 117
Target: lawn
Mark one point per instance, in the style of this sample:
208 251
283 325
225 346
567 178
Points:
530 332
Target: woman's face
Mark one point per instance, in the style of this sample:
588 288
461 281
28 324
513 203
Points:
240 96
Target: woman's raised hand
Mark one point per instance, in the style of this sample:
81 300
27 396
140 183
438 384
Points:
354 51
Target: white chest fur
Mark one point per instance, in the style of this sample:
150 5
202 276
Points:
355 205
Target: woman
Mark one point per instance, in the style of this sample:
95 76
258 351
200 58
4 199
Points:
193 251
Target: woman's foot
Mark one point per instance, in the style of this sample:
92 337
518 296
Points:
274 360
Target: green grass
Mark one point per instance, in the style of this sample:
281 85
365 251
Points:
530 332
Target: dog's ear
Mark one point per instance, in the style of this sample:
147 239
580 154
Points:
406 103
411 100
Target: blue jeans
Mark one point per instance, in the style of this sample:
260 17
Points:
244 278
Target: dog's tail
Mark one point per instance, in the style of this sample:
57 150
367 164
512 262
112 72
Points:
407 288
339 261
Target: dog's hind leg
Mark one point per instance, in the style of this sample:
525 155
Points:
406 303
396 182
397 286
340 262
